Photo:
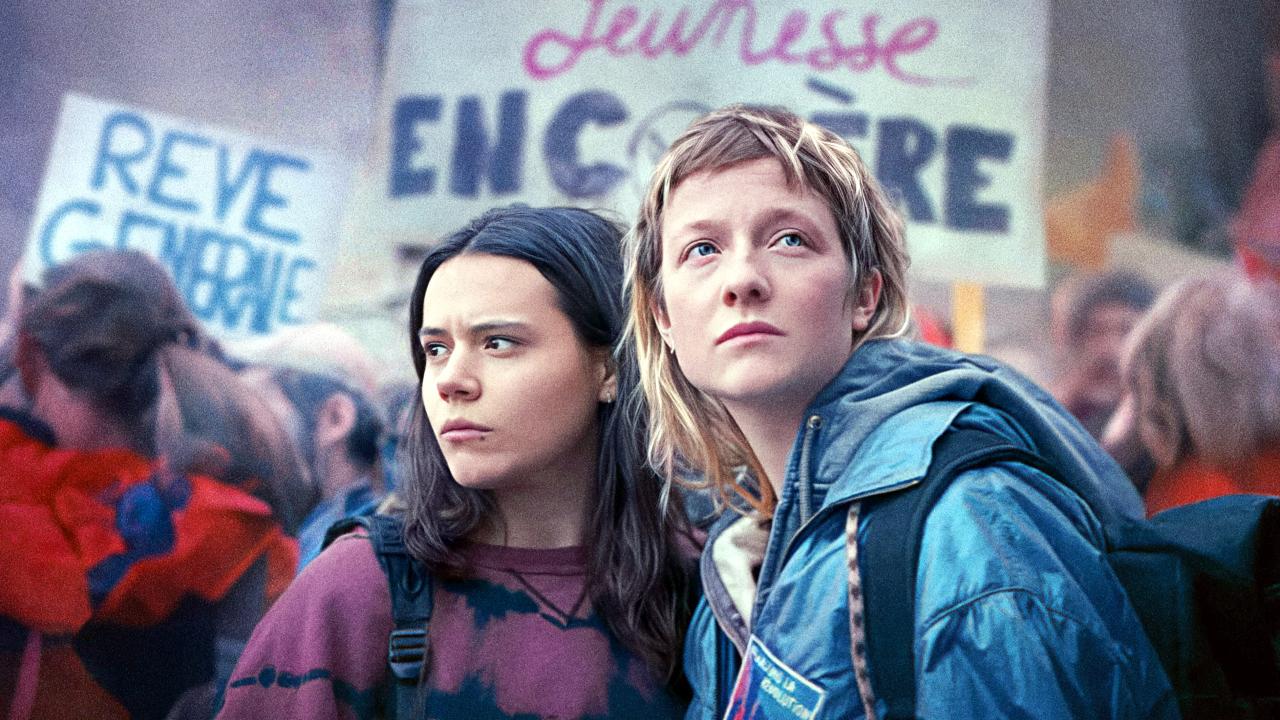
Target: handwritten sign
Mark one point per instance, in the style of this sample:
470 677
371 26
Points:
572 101
245 227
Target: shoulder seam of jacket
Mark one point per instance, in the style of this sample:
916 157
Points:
969 603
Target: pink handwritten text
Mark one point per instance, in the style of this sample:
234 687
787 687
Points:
550 52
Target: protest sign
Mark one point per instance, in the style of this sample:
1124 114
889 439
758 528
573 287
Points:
246 227
572 101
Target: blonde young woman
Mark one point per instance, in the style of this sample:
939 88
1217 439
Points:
767 281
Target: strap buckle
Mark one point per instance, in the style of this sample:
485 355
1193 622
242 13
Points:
405 652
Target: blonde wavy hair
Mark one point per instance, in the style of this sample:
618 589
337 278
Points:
688 429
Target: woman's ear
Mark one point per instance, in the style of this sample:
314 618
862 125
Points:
607 373
335 419
609 390
867 300
663 323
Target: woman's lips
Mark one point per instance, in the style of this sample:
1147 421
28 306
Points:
463 430
745 329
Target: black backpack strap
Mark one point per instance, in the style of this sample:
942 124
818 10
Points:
889 557
411 604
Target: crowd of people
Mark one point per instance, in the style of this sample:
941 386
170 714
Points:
634 475
157 495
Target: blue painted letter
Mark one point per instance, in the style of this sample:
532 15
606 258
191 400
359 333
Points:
165 168
473 156
905 146
406 178
264 197
84 207
121 158
560 147
965 147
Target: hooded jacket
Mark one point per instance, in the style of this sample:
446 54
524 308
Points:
1017 613
127 557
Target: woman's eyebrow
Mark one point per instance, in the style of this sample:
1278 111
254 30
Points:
784 215
480 328
498 326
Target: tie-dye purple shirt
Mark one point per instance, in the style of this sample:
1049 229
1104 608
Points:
517 640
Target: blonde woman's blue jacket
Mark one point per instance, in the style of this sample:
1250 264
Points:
1017 613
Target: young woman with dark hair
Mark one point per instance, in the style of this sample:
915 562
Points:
561 574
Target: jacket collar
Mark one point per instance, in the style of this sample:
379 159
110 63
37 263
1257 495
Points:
872 430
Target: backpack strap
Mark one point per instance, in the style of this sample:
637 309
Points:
889 556
411 604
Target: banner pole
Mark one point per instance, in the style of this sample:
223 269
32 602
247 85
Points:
968 316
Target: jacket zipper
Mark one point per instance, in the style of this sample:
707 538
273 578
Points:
806 447
827 511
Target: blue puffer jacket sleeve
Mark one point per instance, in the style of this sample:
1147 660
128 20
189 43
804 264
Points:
1018 615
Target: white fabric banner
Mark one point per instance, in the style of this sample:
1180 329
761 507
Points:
572 102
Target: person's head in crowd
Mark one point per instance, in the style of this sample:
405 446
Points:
1092 316
131 269
226 430
836 276
88 354
322 385
142 274
513 325
1202 374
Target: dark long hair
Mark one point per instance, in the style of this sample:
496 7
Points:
103 322
639 576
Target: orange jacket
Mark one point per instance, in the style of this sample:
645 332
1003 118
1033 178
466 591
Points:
1192 481
116 536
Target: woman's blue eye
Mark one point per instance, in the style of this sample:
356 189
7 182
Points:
702 249
791 240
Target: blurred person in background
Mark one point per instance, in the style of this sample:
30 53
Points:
932 327
1202 383
397 399
1091 317
124 268
221 428
114 564
322 385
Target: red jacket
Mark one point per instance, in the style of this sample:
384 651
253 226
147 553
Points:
115 535
1192 481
